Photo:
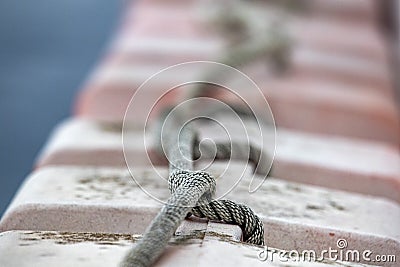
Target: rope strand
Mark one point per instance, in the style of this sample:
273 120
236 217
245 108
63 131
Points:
191 191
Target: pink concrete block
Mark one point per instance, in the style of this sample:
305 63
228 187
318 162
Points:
335 162
108 92
107 249
49 248
305 62
86 199
300 100
339 163
84 142
344 37
190 20
335 106
325 107
366 10
107 102
354 70
211 230
295 216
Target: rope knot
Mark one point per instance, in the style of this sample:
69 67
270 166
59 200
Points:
193 179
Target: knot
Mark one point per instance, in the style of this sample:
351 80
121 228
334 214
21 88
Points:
193 179
219 210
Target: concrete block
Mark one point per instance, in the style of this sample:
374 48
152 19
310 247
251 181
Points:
295 216
335 162
49 248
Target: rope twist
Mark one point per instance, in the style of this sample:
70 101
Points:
219 210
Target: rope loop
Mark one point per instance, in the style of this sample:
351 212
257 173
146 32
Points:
192 179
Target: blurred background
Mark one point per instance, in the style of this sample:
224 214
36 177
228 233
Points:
47 49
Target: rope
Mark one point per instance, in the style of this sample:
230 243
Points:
271 45
191 192
243 150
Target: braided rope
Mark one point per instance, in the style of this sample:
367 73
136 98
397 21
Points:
224 152
164 225
222 210
191 192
